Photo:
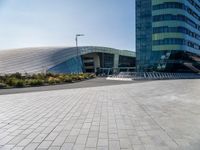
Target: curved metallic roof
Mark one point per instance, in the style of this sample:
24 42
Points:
34 60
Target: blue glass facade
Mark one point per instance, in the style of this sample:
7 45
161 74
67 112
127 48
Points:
93 60
143 33
73 65
168 35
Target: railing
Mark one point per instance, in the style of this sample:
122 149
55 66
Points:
155 75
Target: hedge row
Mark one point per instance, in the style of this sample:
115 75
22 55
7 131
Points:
18 80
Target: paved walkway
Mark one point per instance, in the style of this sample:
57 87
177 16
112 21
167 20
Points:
87 83
160 115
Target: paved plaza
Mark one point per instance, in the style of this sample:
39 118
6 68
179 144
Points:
155 115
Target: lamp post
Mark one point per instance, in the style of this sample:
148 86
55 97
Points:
76 39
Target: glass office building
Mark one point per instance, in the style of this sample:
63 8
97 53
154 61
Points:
168 35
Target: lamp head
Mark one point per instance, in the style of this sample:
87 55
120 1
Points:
79 34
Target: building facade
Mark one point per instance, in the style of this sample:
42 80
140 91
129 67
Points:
91 59
168 35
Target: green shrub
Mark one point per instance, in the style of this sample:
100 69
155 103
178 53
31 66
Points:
54 80
16 75
17 80
35 82
40 76
67 79
49 74
2 85
11 81
75 77
14 82
20 83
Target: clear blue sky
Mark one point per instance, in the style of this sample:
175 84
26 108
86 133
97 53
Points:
32 23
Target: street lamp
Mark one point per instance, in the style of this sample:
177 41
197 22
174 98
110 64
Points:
76 39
